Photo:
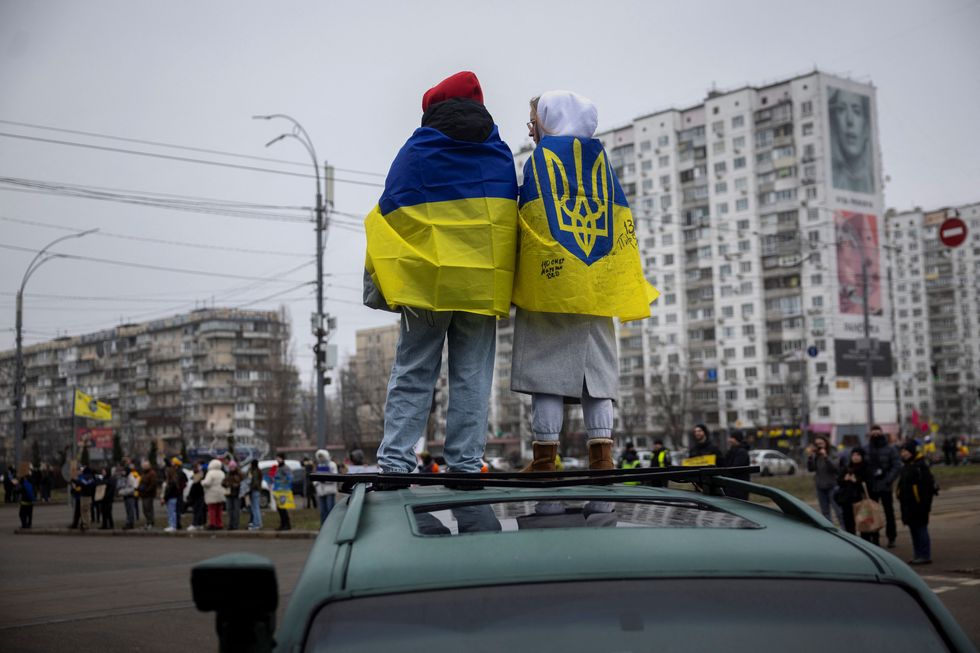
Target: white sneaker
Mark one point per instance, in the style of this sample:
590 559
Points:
192 527
169 529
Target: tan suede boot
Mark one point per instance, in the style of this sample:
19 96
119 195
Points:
600 454
544 457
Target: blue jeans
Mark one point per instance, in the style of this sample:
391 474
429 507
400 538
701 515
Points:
418 359
326 503
255 508
826 499
921 543
547 413
172 513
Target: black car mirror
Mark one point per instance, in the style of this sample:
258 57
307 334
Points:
241 588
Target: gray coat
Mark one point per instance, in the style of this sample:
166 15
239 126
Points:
556 353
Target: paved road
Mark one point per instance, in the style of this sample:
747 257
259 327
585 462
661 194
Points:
114 593
133 593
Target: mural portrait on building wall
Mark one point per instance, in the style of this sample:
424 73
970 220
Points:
850 141
857 240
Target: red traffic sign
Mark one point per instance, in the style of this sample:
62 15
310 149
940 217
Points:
952 232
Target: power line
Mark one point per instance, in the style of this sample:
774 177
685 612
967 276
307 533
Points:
177 243
147 266
188 148
184 159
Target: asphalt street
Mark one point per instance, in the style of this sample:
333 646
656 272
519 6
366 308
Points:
133 593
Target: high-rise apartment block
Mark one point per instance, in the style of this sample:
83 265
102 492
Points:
198 378
936 311
758 214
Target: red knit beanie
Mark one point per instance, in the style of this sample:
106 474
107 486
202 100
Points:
462 85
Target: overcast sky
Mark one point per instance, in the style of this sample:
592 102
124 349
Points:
192 74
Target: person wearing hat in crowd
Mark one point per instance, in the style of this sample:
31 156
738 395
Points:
852 487
885 465
578 268
27 497
660 460
916 489
737 456
108 498
233 488
214 494
449 282
147 492
702 445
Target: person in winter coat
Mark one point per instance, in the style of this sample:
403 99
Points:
453 167
126 486
195 498
737 456
111 481
852 487
232 485
822 461
282 481
214 494
566 357
701 445
147 492
171 493
916 488
27 498
326 492
886 465
86 492
255 496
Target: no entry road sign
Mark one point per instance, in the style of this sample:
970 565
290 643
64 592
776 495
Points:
952 232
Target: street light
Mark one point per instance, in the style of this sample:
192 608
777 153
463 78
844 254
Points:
319 350
39 259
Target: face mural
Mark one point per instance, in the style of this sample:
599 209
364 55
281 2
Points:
850 138
857 241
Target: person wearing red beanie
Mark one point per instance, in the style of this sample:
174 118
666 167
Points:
463 85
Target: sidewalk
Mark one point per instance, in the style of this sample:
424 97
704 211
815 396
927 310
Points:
159 532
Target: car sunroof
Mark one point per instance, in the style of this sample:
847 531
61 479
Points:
459 519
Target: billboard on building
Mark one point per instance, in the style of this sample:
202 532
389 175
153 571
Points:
851 356
857 242
852 152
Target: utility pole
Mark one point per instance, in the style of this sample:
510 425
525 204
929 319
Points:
39 259
319 320
868 351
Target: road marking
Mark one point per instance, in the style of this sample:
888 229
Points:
944 588
953 579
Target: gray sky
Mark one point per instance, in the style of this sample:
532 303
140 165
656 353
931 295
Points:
192 74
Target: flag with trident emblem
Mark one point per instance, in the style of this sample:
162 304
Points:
578 249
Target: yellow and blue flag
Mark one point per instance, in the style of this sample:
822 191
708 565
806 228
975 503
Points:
443 236
87 406
578 246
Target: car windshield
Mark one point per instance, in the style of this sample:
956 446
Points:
667 615
458 519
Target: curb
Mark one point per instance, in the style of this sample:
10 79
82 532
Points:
242 534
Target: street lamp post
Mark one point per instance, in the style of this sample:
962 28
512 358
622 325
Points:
39 259
319 350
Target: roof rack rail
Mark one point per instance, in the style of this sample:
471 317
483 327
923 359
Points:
477 480
787 503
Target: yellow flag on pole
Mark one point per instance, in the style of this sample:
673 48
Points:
87 406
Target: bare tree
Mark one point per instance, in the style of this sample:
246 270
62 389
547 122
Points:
279 393
671 399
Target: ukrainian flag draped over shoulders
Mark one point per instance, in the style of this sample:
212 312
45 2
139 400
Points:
578 246
444 234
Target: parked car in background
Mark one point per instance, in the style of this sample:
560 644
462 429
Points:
772 462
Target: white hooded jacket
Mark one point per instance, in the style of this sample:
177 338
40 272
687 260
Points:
213 492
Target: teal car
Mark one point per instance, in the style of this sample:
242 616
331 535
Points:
578 561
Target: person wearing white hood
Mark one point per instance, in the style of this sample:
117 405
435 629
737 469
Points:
578 266
326 493
214 494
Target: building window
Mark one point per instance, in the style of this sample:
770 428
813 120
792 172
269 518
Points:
738 162
721 208
664 161
721 187
742 183
816 301
748 352
663 140
752 393
738 142
718 147
806 108
742 225
720 168
738 121
742 204
808 129
728 311
668 259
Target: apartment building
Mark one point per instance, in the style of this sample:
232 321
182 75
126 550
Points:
936 312
757 213
195 378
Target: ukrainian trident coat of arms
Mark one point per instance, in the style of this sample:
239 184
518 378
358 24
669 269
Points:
579 206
